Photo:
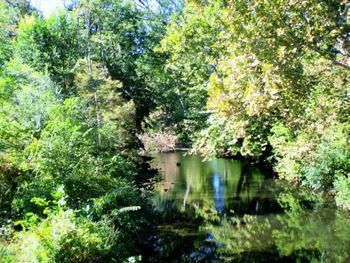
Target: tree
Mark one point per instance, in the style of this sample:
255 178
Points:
23 7
277 85
5 32
51 44
253 54
180 68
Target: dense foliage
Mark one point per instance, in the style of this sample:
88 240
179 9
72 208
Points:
67 135
83 90
276 78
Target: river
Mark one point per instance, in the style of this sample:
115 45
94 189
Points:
226 210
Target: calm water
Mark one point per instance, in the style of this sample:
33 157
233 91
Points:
227 211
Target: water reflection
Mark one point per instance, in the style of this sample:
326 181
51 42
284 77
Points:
225 210
228 186
219 192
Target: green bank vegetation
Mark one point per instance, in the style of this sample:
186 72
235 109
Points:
84 89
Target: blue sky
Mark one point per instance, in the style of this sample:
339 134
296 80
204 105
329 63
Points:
48 6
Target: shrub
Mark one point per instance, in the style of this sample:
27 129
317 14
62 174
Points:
315 158
342 188
66 237
331 156
49 241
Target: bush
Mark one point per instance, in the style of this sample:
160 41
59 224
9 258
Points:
315 158
331 156
63 237
106 233
342 189
289 150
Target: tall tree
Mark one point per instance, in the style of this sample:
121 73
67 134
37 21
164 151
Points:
4 33
118 35
51 44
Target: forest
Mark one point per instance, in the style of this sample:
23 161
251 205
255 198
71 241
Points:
88 91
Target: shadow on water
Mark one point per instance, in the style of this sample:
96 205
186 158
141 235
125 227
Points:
225 210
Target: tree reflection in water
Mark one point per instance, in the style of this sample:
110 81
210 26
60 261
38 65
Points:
225 210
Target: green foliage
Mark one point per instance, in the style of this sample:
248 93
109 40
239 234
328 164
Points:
330 157
342 188
225 137
251 86
117 35
51 44
316 157
113 117
76 88
8 176
65 154
64 237
189 59
87 235
5 47
27 97
66 142
11 13
273 76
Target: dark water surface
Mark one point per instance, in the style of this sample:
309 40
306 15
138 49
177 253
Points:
227 211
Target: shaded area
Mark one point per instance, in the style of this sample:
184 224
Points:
226 210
